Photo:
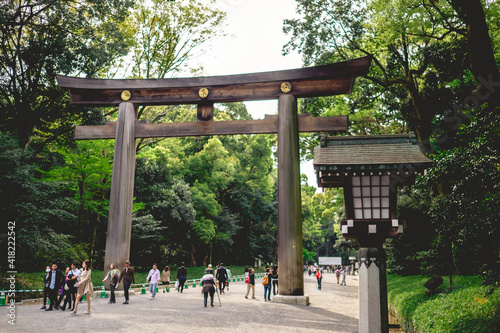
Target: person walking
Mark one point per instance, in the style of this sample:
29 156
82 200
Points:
182 277
221 276
153 278
344 272
274 279
228 270
251 284
266 282
128 277
56 278
73 276
113 275
337 274
208 287
165 278
319 277
45 287
64 293
84 287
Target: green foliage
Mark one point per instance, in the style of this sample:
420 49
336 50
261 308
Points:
86 177
164 35
39 209
39 39
417 49
309 256
468 308
321 214
451 216
466 179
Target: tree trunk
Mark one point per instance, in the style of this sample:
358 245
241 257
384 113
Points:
193 260
482 59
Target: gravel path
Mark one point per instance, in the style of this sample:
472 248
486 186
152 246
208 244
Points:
333 309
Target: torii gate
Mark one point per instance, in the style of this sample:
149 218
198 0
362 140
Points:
286 86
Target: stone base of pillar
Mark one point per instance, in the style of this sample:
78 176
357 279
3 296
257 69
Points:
372 291
295 300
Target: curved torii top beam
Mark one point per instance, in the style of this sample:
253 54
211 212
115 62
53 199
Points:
332 79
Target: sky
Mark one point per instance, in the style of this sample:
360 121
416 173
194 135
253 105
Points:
254 44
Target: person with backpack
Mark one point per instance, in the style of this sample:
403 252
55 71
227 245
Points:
337 273
266 282
250 281
208 287
319 276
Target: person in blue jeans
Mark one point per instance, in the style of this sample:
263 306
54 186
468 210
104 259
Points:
181 277
153 278
319 276
267 286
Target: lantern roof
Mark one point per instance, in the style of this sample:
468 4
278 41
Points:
339 156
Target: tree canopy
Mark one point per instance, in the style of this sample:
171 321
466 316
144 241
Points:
205 199
434 72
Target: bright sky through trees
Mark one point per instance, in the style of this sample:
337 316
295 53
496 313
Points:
254 44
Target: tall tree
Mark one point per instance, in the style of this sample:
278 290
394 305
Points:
87 173
42 38
164 36
482 61
407 40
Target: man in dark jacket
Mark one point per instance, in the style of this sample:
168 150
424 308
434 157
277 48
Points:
221 276
182 277
55 280
128 278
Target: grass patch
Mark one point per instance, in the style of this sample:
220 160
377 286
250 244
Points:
466 308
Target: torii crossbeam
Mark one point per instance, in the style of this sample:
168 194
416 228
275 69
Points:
286 86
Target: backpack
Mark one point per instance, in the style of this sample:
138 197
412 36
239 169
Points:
265 279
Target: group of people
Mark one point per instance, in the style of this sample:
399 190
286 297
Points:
269 280
209 282
70 287
75 283
318 273
342 270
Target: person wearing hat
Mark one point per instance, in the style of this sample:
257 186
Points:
208 286
128 278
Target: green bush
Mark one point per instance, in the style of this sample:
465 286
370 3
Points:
467 308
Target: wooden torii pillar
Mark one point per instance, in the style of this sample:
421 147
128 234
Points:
286 86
